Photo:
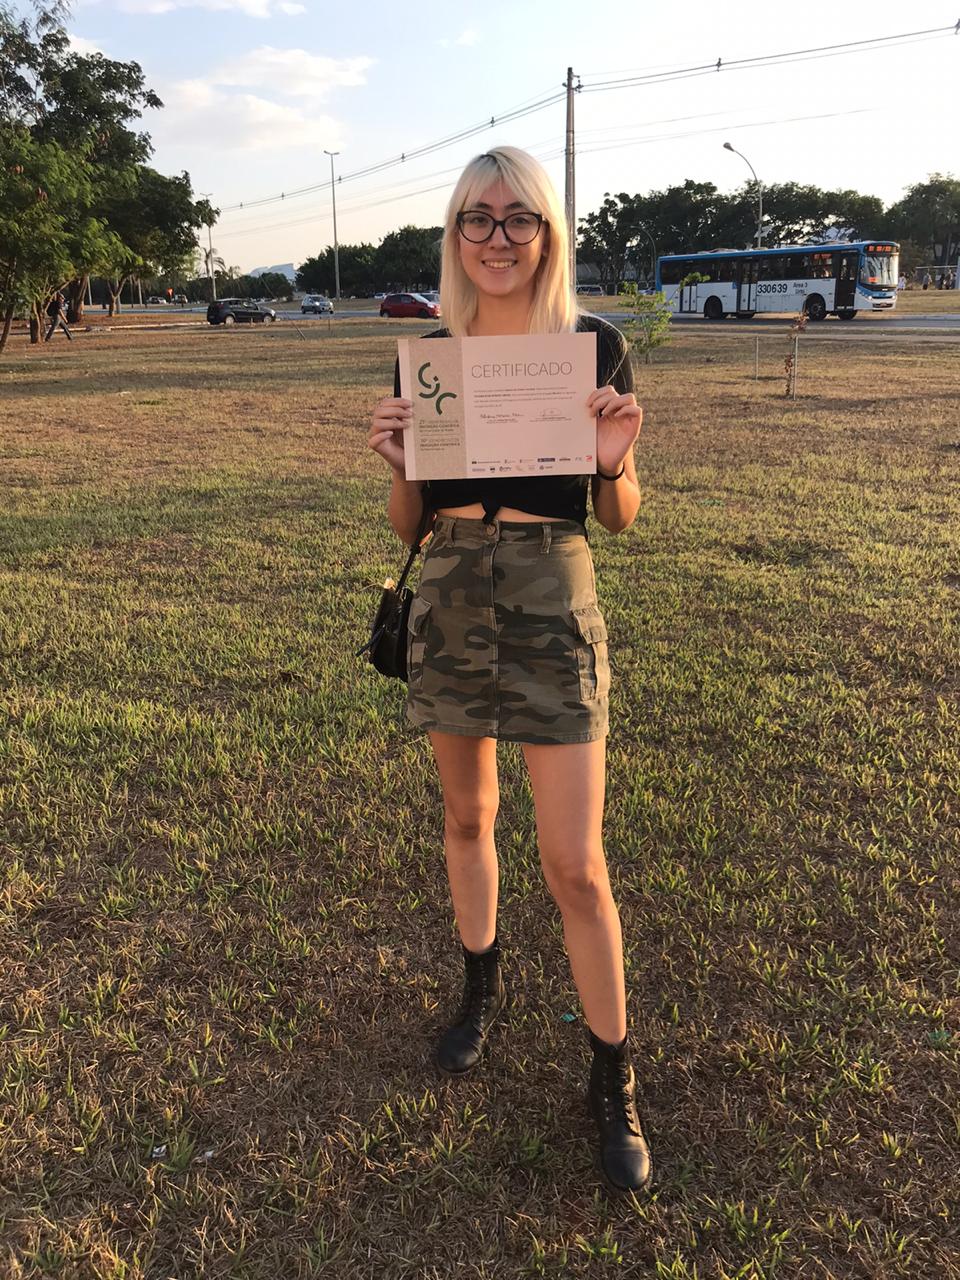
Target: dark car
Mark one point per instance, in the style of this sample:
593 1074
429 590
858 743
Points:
397 305
239 311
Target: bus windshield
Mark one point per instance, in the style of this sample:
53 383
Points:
879 271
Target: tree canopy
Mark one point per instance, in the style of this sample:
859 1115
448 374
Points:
621 234
76 195
929 215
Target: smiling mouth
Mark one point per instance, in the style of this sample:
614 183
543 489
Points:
500 264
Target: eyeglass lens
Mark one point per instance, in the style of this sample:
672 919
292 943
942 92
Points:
521 228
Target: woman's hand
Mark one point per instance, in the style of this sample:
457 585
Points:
618 425
390 419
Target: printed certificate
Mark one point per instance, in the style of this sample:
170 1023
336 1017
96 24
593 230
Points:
510 406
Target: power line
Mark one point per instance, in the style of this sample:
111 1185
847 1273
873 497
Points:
771 59
554 152
653 77
405 156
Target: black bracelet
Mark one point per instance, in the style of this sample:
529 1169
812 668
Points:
623 467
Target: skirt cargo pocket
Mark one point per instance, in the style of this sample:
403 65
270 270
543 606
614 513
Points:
417 621
592 655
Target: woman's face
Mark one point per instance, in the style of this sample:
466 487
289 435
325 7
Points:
497 267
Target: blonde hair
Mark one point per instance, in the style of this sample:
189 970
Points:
554 307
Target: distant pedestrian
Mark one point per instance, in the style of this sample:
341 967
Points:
55 315
941 280
926 280
901 283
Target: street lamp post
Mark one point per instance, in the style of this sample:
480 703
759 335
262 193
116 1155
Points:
653 250
729 147
333 197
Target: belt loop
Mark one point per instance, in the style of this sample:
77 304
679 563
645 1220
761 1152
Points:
545 539
453 530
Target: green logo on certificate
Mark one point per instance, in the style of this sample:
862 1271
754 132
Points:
433 391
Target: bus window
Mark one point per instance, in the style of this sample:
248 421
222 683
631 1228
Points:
770 267
672 272
820 266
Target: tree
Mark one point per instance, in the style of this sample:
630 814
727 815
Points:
358 271
37 182
85 103
696 216
155 224
648 325
409 258
929 215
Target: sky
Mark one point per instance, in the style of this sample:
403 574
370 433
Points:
255 92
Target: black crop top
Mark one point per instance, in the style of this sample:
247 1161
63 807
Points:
564 497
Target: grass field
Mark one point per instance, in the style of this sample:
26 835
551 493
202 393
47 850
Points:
225 932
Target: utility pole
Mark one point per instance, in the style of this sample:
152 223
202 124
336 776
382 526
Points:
336 247
208 195
210 271
570 200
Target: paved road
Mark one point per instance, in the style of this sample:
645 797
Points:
864 325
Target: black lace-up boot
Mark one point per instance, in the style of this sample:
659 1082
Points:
461 1045
624 1157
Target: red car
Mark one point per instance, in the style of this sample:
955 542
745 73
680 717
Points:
398 305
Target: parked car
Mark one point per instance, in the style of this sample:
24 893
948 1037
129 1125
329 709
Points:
181 299
591 290
154 299
317 304
239 311
431 295
378 297
398 305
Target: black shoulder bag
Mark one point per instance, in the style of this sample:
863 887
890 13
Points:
387 646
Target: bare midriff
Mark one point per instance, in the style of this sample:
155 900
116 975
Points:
474 511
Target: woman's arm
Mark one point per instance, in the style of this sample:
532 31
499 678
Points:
616 502
619 418
391 418
405 508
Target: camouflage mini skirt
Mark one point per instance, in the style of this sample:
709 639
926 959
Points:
505 638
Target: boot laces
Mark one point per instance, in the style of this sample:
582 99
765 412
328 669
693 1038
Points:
476 1000
619 1097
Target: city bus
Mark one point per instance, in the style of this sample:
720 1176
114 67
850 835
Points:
820 279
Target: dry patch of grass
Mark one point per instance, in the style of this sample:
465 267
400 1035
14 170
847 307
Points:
225 933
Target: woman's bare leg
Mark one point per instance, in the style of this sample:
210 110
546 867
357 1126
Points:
471 796
568 789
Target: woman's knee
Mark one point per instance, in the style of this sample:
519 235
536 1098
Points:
578 883
472 820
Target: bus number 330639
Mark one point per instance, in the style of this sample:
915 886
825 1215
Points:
779 287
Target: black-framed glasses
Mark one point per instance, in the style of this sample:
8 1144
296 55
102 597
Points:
519 228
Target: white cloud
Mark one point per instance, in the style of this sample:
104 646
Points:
470 36
81 45
251 8
228 110
302 74
200 113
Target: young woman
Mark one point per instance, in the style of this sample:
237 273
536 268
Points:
506 639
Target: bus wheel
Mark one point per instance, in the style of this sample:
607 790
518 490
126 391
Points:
713 309
815 307
846 315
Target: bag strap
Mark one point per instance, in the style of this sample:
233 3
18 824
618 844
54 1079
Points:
415 548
